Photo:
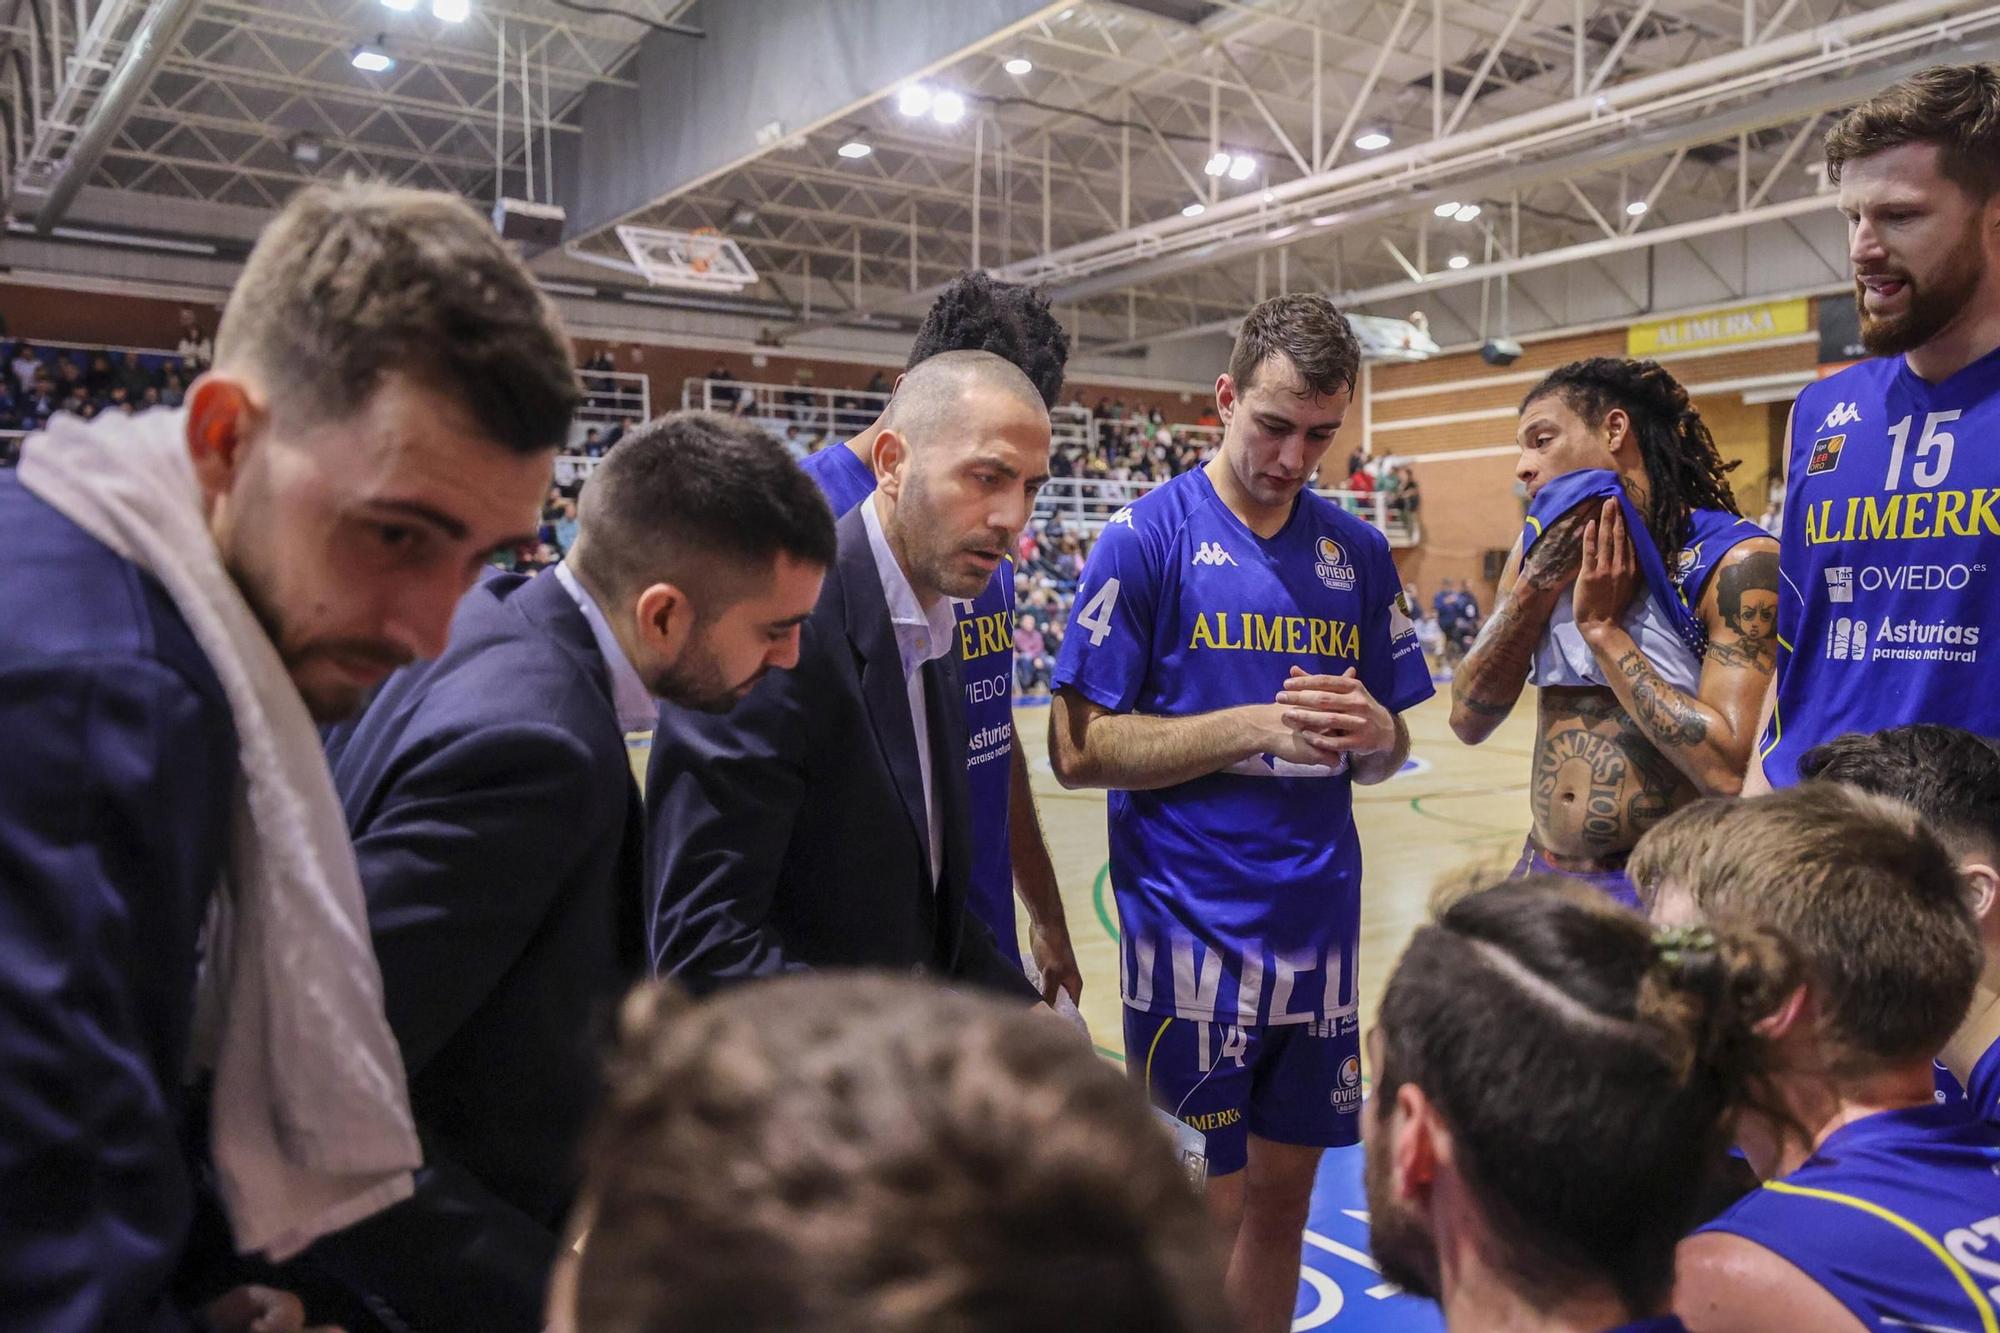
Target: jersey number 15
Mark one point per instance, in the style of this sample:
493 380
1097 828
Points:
1934 448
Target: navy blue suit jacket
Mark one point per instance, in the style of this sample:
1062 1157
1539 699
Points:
117 771
500 838
791 832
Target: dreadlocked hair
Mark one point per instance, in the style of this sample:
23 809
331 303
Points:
1684 468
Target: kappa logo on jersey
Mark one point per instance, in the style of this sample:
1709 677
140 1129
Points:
1843 414
1840 583
1333 569
1825 455
1122 516
1211 553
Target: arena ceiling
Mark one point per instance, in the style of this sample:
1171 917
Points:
1589 135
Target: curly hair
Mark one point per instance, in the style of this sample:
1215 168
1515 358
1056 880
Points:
1685 469
976 313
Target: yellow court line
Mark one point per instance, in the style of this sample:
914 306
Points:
1980 1304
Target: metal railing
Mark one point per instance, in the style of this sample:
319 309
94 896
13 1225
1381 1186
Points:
1088 504
838 413
613 396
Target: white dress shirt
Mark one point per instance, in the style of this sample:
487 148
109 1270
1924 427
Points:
634 703
921 636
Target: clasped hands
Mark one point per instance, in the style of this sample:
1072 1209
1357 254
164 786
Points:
1326 718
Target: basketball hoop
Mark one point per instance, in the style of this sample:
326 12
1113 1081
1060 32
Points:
702 260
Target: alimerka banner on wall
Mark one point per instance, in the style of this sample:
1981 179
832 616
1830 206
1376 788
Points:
1719 328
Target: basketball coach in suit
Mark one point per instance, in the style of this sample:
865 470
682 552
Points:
824 822
500 836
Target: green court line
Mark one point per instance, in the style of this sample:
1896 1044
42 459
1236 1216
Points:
1109 1054
1097 901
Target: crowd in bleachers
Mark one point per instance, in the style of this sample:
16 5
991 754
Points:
42 381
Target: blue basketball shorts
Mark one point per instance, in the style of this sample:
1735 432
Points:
1297 1083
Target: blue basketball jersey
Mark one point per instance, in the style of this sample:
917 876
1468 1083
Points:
1887 609
1980 1092
1897 1216
1664 1324
1239 892
986 653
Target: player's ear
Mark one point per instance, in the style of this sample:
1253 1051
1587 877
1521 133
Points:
1617 429
891 452
664 618
1225 397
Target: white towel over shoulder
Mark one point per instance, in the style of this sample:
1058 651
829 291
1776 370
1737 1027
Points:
311 1122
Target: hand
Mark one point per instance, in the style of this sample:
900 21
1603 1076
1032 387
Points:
1608 579
252 1309
1056 961
1336 715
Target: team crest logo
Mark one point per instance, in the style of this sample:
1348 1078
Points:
1825 455
1333 569
1350 1072
1684 564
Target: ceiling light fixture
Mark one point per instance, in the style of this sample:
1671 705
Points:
452 11
1466 213
1242 167
1457 261
1637 208
1018 66
400 6
370 58
1282 232
914 100
854 148
1445 210
947 108
1326 219
1372 139
1217 165
1194 210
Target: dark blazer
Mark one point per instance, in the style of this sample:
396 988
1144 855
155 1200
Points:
499 834
791 832
117 774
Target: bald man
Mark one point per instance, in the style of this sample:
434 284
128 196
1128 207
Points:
824 823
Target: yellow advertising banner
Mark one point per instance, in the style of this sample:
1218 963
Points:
1719 328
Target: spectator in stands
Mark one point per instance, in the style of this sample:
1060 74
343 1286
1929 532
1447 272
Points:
195 349
134 377
185 594
878 384
725 395
1536 1037
593 443
173 391
1031 659
27 366
874 1153
799 398
150 398
101 376
1408 492
1867 1173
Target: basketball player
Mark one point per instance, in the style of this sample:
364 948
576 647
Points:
1237 660
1640 601
1951 778
1880 1204
1889 612
1009 855
1538 1003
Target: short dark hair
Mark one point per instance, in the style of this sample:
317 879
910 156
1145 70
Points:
873 1154
1949 776
350 282
978 313
694 487
1956 107
1685 468
1861 886
1307 330
1587 1067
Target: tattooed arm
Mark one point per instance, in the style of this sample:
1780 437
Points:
1489 681
1707 735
